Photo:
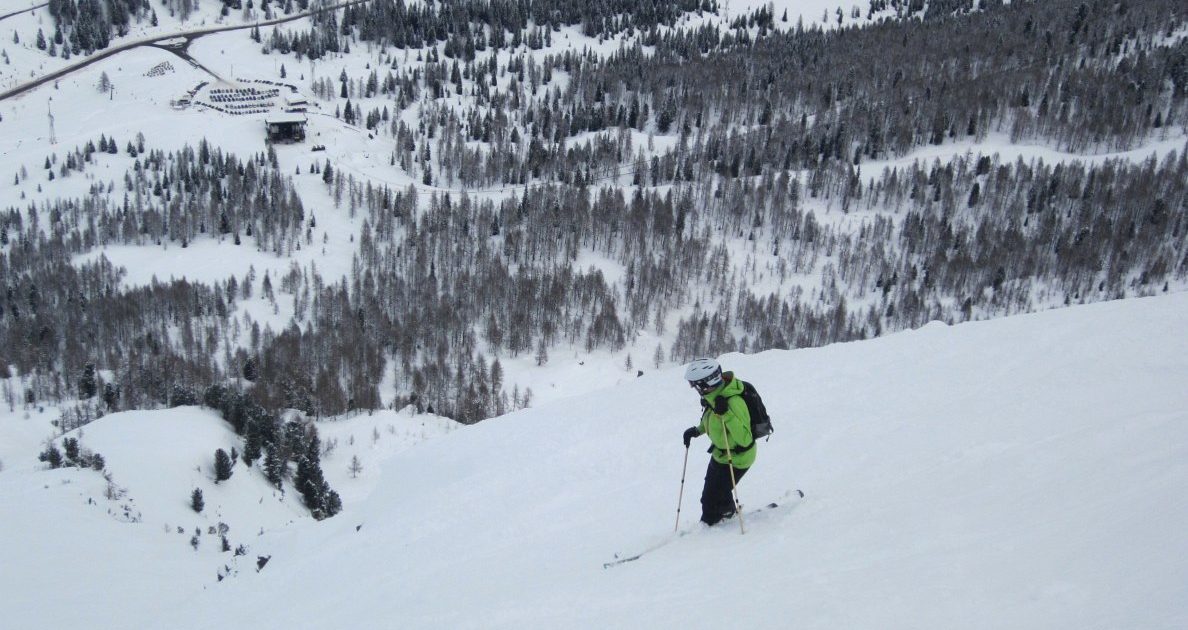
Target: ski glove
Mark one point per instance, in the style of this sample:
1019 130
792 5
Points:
691 433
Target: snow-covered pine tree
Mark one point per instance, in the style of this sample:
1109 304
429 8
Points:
309 480
274 465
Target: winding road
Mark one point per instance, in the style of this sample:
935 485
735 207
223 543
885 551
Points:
25 10
157 40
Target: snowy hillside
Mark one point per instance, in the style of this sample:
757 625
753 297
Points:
1024 473
135 521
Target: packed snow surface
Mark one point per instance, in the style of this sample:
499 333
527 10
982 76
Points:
1027 472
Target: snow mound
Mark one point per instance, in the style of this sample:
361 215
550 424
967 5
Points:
159 457
112 538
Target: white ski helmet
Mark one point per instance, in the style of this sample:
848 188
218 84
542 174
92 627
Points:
704 375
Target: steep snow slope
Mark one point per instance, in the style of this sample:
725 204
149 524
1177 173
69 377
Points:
1021 473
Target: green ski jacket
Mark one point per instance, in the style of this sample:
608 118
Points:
731 428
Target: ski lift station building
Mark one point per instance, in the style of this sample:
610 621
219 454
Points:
289 127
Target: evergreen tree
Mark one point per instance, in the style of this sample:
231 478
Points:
252 444
274 465
71 446
974 194
87 385
310 480
111 396
222 465
250 371
333 502
196 502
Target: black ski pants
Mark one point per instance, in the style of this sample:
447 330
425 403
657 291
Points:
717 502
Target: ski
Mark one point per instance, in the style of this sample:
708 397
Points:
618 561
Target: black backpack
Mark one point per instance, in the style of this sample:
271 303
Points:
760 421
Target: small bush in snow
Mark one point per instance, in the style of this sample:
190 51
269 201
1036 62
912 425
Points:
196 501
52 456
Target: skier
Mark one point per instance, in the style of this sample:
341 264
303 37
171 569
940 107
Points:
728 422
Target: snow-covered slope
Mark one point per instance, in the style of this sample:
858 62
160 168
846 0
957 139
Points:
1026 472
1023 473
122 542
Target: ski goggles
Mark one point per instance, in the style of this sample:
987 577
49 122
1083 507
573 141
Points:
707 384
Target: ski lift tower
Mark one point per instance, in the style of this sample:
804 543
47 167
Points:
53 137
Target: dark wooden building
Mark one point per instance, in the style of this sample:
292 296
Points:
285 127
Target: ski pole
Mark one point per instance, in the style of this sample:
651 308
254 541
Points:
681 497
733 483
